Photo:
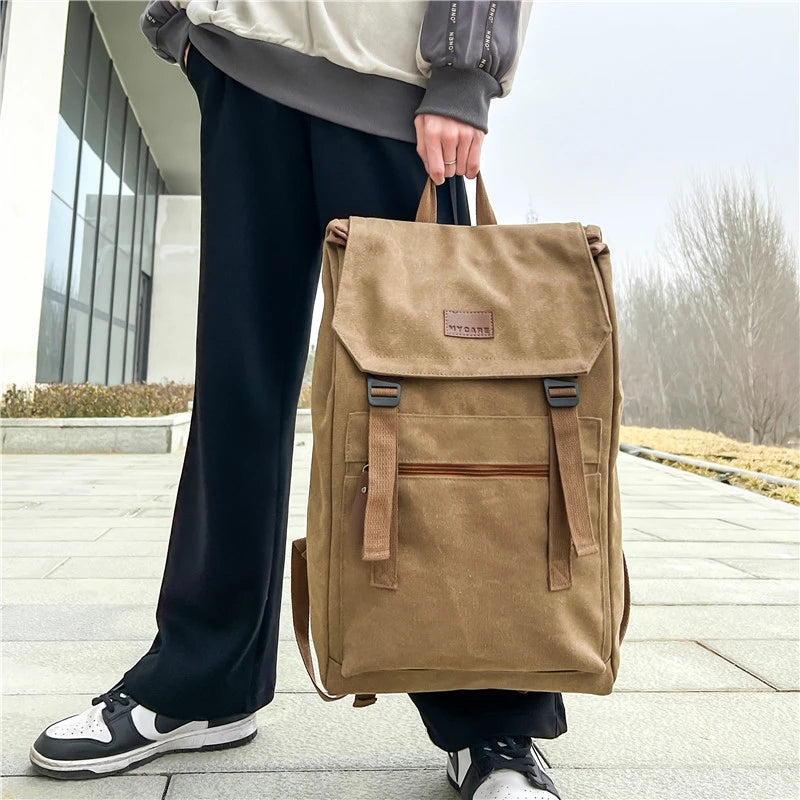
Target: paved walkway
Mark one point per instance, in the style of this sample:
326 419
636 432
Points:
705 706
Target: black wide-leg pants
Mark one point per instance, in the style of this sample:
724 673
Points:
271 179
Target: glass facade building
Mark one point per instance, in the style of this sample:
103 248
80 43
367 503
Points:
3 41
99 262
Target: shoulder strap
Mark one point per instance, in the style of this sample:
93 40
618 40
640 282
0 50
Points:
300 617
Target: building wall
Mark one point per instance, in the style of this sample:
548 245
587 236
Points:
78 196
173 317
28 130
99 263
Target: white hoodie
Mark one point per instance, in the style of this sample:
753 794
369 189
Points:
371 65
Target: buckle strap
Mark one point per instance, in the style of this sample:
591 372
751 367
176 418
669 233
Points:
569 499
380 515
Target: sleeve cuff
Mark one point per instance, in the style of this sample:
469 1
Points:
462 94
171 37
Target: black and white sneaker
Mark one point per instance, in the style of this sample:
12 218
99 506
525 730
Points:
502 768
117 734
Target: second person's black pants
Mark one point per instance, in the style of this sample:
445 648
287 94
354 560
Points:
271 179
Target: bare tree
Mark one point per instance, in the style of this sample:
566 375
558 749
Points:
710 336
737 270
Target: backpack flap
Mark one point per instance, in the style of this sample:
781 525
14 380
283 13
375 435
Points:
495 301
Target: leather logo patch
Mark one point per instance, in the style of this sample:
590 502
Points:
469 324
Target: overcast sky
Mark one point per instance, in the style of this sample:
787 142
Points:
615 105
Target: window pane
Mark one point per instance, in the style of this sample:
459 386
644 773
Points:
130 171
121 283
117 351
70 121
149 218
103 270
137 234
79 22
77 341
57 257
113 163
94 131
99 349
51 335
82 264
101 311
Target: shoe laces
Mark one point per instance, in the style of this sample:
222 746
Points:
510 752
112 698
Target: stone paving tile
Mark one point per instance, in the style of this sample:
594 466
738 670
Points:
28 566
766 567
66 667
686 783
732 534
85 667
679 667
97 622
52 591
78 623
639 567
157 534
96 549
694 591
129 567
632 535
77 511
11 533
92 518
151 514
419 784
777 663
660 549
144 787
712 621
746 515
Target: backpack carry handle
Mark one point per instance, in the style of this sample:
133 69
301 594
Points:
426 211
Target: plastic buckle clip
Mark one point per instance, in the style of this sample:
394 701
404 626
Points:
382 400
561 401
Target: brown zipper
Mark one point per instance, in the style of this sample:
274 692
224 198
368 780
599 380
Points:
471 470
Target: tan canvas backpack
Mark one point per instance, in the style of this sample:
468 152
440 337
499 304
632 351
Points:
464 522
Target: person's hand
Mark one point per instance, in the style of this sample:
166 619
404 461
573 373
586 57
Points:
186 53
441 139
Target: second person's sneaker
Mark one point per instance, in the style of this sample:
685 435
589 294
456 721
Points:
502 768
117 734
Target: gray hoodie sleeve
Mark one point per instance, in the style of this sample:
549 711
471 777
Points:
469 50
166 27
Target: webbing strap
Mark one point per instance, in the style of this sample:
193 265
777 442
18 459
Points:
380 515
569 499
301 611
558 546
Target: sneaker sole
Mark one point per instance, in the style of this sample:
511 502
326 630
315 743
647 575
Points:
224 737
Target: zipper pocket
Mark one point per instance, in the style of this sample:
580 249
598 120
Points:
470 470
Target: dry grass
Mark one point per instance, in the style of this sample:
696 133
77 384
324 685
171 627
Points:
719 449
